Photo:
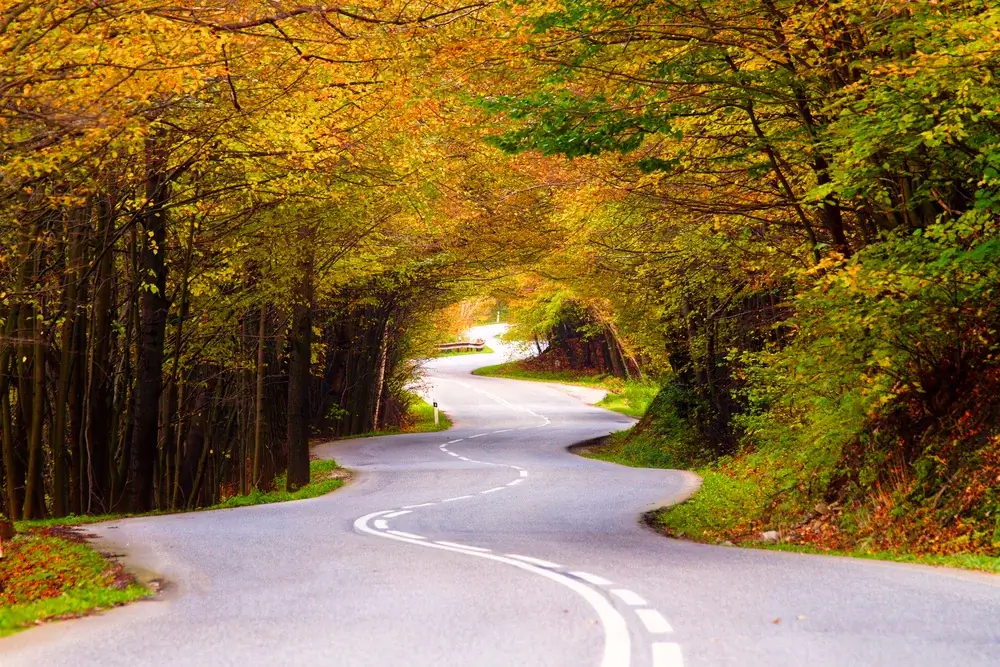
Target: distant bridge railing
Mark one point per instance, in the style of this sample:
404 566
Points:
463 346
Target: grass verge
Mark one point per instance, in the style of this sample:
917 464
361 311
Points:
324 476
746 494
50 574
732 493
629 397
461 353
419 420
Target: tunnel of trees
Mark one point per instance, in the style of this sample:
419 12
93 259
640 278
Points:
227 229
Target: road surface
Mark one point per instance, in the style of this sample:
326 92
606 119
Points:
491 545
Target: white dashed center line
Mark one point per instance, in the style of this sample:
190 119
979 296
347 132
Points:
667 654
461 546
588 577
534 561
410 536
628 597
654 621
616 648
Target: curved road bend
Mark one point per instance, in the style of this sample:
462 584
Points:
490 545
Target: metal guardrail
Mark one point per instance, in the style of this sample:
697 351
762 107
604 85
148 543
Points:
474 345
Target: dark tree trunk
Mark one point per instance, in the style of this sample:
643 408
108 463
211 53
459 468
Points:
13 484
96 461
153 316
300 342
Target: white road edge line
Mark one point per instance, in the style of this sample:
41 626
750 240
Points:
478 435
654 621
452 442
495 488
586 576
413 507
515 482
451 500
667 654
617 645
462 546
395 514
453 453
381 524
506 430
534 561
628 597
409 536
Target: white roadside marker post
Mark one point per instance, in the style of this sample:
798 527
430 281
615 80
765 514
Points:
435 413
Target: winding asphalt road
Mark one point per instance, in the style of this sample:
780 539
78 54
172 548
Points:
491 545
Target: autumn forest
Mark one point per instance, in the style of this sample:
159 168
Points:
228 228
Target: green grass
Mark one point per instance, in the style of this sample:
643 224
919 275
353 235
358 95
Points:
733 493
422 414
959 561
322 480
45 577
719 507
92 591
421 420
629 397
514 371
461 353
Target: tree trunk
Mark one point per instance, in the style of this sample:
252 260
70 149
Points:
12 480
67 367
153 316
96 462
300 342
33 486
258 421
